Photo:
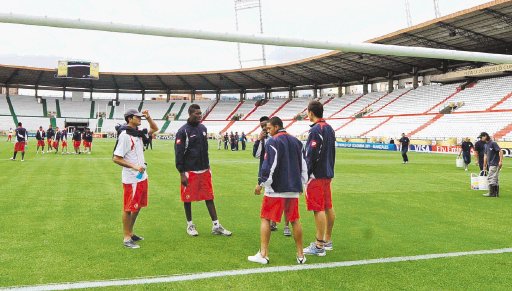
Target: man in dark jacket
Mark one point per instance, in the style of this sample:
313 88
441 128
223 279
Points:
192 161
283 173
493 160
480 153
40 135
77 140
50 134
320 157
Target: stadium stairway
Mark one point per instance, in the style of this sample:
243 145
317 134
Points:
168 110
92 109
502 132
57 105
235 110
251 112
342 126
444 101
500 102
227 126
378 99
377 126
165 126
210 109
390 102
45 108
181 111
354 101
426 124
279 108
53 122
111 114
11 108
99 125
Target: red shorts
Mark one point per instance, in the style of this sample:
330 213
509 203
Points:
49 142
272 208
19 146
40 143
86 144
199 187
64 143
76 143
55 144
135 196
318 195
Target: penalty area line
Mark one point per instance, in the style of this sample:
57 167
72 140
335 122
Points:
277 269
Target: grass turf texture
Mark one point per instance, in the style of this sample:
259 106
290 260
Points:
61 222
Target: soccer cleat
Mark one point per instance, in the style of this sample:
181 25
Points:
131 244
258 258
219 230
191 230
12 159
302 260
22 160
136 238
287 231
328 246
313 250
273 226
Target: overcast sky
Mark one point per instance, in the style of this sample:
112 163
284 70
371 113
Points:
334 20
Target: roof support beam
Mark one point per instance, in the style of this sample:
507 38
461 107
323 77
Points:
342 68
231 81
498 15
137 80
299 75
254 80
167 87
190 87
423 41
482 39
318 72
11 76
209 82
269 75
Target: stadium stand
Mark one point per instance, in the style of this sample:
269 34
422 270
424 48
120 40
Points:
26 106
75 109
416 112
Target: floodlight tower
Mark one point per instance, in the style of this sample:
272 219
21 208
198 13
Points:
436 8
408 13
248 5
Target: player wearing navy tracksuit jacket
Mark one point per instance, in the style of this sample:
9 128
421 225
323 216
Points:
283 173
320 157
191 152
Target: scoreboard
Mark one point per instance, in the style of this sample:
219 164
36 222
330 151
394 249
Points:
78 70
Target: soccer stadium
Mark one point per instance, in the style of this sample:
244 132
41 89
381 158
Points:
429 220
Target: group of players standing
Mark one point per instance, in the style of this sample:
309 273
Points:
287 169
55 137
52 139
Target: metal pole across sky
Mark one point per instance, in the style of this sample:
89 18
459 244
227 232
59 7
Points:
367 48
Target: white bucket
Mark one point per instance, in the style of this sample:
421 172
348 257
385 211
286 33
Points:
459 162
483 183
475 181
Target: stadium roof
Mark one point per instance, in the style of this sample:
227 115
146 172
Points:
484 28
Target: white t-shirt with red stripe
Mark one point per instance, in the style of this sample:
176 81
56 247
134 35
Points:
132 150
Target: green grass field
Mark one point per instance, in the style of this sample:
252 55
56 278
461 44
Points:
61 222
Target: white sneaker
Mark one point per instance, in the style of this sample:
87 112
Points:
12 159
191 230
287 231
219 230
302 260
258 258
22 160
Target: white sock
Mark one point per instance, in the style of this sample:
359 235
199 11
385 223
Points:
189 223
215 222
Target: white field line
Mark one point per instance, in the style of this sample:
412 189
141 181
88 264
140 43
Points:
198 276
